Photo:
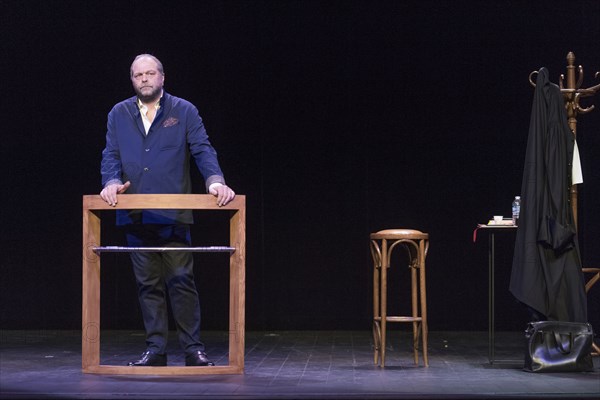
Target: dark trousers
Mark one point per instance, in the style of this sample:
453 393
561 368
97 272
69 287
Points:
163 274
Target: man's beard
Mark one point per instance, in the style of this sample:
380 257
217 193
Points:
149 98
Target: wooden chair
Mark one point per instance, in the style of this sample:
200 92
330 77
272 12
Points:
416 244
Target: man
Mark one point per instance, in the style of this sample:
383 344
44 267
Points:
149 142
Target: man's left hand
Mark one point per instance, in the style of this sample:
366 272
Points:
223 193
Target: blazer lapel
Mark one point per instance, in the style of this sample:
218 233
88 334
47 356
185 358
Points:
134 110
165 109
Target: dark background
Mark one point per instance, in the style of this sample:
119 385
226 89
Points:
335 118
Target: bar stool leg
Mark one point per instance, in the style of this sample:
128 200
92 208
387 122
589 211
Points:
383 296
414 260
376 254
424 328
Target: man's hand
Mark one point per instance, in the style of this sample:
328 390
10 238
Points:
223 193
109 193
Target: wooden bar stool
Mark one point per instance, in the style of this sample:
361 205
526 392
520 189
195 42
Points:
416 244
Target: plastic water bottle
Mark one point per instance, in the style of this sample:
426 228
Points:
516 210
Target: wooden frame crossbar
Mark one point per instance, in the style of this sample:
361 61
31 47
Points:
90 340
125 249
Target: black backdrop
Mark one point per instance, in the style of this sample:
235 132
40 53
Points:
334 118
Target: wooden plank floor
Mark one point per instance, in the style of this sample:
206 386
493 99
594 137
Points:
288 365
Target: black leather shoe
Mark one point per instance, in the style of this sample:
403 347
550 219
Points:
150 359
198 359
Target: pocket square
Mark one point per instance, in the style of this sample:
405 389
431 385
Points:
170 122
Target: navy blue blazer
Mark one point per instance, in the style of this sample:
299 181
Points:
158 162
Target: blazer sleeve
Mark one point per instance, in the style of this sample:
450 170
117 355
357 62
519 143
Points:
204 154
110 167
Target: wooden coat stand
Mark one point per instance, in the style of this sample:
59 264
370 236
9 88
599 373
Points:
90 341
572 93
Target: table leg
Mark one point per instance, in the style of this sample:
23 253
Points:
491 294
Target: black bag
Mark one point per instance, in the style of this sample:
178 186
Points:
557 346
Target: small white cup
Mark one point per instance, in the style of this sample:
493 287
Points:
497 218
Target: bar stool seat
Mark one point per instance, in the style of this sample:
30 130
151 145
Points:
416 244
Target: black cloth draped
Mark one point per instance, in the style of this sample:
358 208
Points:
546 272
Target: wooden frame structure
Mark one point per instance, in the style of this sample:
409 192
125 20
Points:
93 205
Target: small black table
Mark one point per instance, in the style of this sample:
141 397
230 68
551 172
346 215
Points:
492 230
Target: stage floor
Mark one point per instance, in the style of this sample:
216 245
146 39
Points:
288 365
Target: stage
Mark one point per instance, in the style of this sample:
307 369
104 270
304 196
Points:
288 365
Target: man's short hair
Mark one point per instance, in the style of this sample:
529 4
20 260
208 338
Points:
156 60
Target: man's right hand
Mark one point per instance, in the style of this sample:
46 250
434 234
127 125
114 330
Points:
109 193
